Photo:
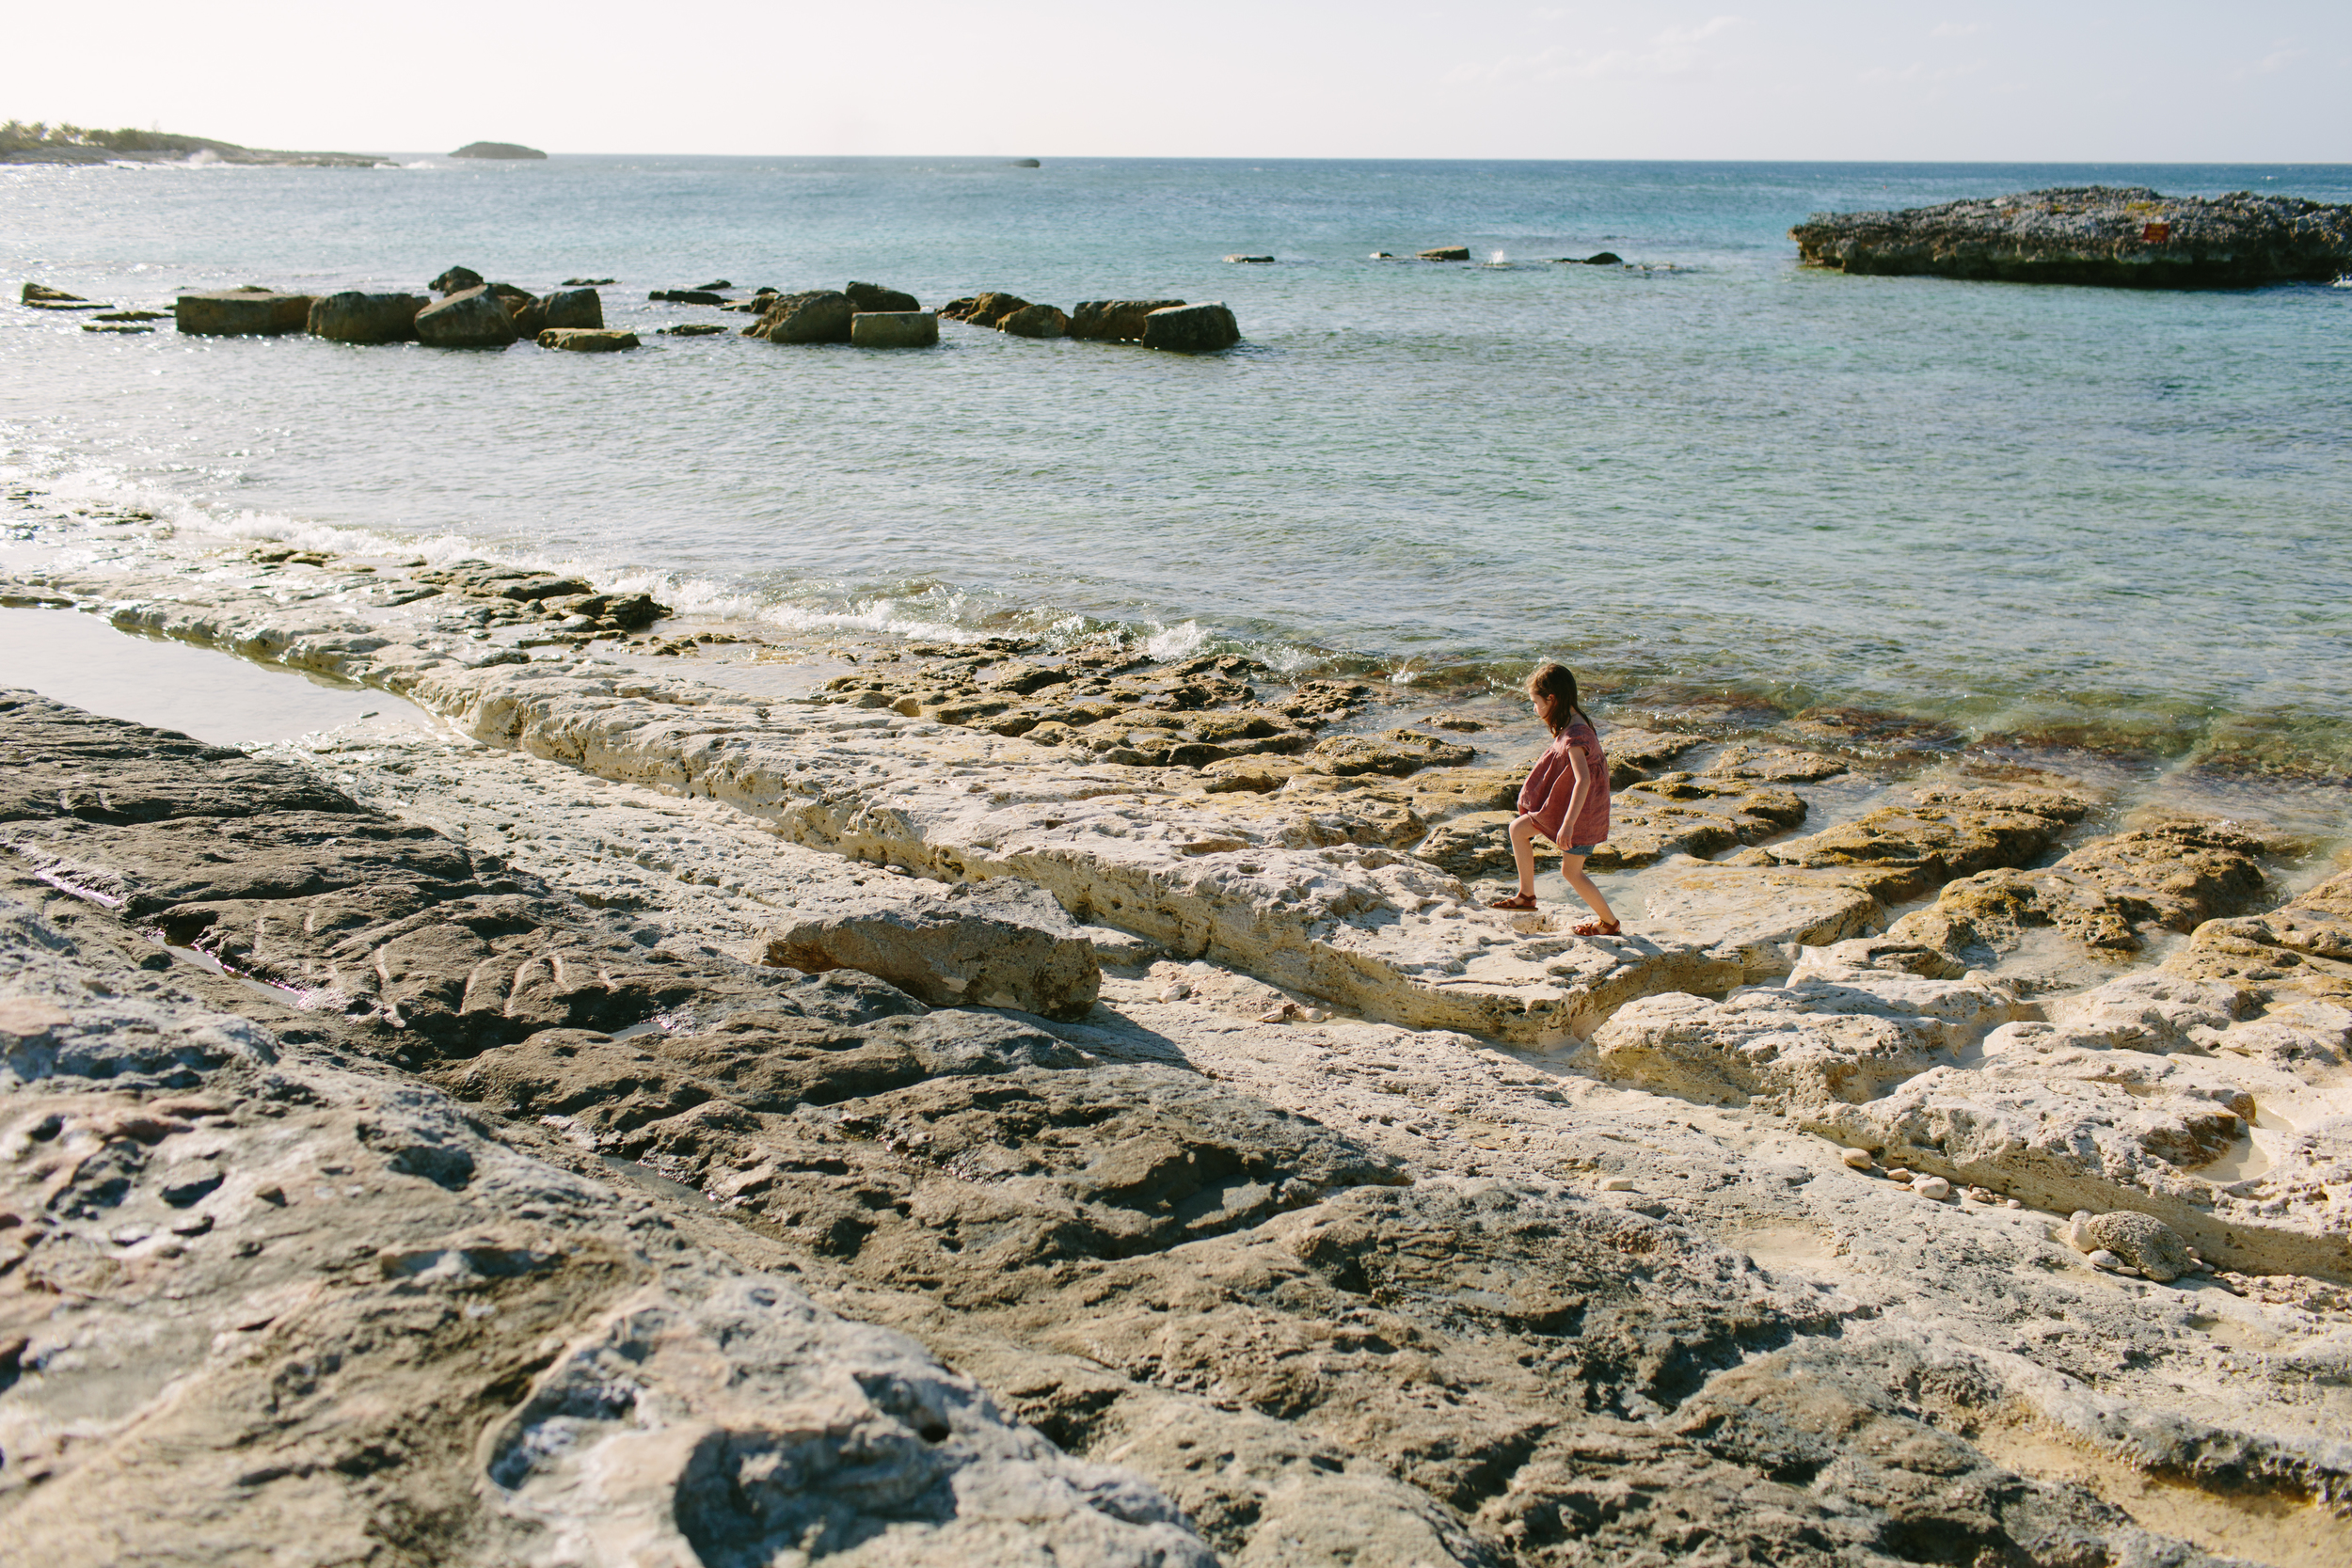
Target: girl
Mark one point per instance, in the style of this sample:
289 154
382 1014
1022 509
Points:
1566 798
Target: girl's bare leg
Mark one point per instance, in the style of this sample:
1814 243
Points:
1524 851
1572 867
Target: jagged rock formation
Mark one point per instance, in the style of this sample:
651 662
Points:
2114 235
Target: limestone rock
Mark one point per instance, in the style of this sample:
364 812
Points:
1115 320
40 293
574 307
1395 753
874 298
470 318
2106 896
361 318
1904 851
985 944
818 316
2121 236
587 339
250 312
457 280
984 310
2143 1242
893 329
1191 329
1034 321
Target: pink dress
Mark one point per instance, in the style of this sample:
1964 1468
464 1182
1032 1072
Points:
1548 788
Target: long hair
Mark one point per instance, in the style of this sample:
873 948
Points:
1552 688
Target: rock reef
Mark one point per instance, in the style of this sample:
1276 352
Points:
1919 1181
2119 236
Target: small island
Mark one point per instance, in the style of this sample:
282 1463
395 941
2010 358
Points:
496 149
42 143
2113 235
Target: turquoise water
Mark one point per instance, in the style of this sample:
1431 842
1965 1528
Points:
2111 516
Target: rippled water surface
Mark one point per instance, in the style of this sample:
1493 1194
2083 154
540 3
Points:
2073 512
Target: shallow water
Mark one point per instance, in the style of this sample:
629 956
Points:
2090 516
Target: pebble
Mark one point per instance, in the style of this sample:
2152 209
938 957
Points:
1175 991
1858 1158
1984 1194
2102 1259
1899 1176
2012 1203
1932 1187
1315 1015
1616 1184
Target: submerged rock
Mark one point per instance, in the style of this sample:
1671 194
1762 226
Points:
251 312
817 316
893 329
1115 320
1191 329
2119 236
470 318
874 297
362 318
573 306
989 944
587 339
1035 321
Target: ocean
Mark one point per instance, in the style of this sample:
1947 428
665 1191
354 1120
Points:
2095 519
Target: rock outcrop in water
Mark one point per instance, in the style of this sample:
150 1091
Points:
252 311
506 150
2119 236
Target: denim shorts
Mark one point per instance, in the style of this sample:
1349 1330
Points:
1583 849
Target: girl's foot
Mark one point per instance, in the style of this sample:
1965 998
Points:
1591 928
1517 901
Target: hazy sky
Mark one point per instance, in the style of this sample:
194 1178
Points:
2153 81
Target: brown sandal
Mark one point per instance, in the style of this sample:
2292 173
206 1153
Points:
1597 929
1517 901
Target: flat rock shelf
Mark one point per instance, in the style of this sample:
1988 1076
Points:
1962 1162
2117 236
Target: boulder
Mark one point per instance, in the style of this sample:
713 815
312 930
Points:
1445 253
574 307
1191 329
986 309
247 312
1035 321
874 297
455 280
818 316
472 318
985 944
1115 320
587 339
2117 236
893 329
2143 1242
353 317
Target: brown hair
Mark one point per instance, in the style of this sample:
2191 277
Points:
1557 684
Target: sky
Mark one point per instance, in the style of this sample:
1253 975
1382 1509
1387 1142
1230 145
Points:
2152 82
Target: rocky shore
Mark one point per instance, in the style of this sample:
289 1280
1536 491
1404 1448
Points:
557 1212
2112 235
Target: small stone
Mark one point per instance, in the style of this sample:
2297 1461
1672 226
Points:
1858 1158
1175 991
1899 1176
1932 1187
1315 1015
2012 1203
1278 1015
1616 1184
2102 1259
1984 1194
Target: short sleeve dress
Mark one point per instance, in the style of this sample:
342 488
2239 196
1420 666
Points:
1549 787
